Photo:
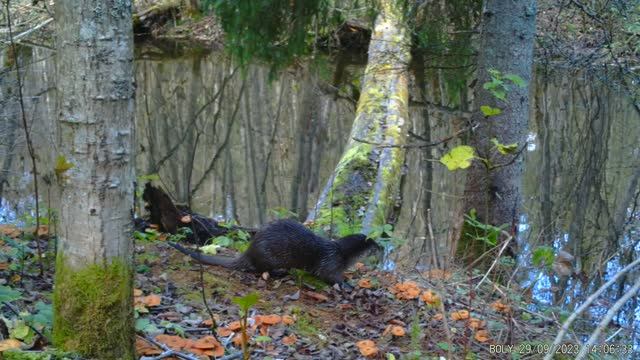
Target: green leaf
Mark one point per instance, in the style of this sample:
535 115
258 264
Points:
505 149
263 339
21 331
246 302
211 249
222 241
517 80
489 111
8 294
543 256
146 326
458 158
500 94
62 165
443 345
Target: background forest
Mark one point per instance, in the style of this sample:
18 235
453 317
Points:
490 148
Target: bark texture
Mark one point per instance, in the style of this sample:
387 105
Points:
96 132
364 186
508 29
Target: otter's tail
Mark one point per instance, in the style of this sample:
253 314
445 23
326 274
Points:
231 263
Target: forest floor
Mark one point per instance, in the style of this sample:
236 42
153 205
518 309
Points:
386 315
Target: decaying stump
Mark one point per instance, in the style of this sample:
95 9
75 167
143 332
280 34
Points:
170 217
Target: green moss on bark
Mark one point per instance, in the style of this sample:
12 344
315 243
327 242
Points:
93 309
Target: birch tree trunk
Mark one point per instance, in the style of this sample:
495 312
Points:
93 312
364 186
506 45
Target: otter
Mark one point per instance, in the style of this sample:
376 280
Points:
287 244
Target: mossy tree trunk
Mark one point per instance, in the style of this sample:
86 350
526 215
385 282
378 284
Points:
364 186
93 310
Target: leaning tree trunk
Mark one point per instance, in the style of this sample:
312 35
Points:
93 312
506 45
364 186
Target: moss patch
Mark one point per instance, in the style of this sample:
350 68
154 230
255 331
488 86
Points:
93 310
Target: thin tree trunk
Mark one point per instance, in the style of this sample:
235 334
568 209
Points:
93 312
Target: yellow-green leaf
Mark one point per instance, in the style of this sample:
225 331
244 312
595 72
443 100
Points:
210 249
62 165
489 111
458 158
505 149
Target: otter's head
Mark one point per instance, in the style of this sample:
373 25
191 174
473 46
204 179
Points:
352 246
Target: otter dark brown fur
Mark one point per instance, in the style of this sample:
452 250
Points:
287 244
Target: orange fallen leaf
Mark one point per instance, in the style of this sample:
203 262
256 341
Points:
360 266
437 274
394 330
289 340
367 348
482 335
405 291
143 347
4 266
208 345
460 315
476 324
10 230
437 317
316 296
430 297
224 332
271 319
238 340
500 307
365 283
288 320
10 344
172 341
234 326
150 300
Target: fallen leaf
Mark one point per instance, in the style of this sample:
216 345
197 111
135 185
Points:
4 266
185 219
365 283
43 231
500 307
316 296
10 344
430 297
271 319
137 292
206 342
460 315
482 335
394 330
288 320
224 332
476 324
10 230
437 317
143 347
360 266
151 300
234 326
289 340
172 341
437 274
237 340
367 348
405 291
